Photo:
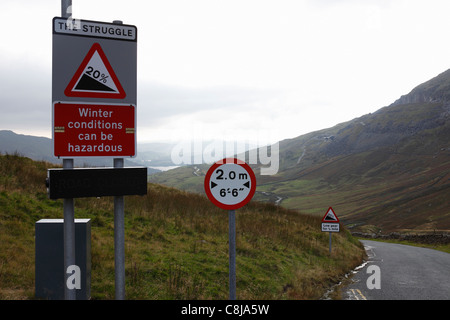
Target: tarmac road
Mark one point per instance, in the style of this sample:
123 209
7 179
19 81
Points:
400 272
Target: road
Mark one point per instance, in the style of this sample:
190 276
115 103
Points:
400 272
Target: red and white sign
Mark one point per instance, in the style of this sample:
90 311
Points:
230 183
95 78
330 221
94 130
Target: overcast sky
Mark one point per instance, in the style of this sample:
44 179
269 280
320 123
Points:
237 69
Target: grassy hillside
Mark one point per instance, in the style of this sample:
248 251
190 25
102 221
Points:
387 171
175 243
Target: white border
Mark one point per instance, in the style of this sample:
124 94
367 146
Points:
75 27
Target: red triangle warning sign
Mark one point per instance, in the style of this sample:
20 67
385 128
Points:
95 78
330 216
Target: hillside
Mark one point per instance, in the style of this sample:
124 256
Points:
36 148
175 243
385 170
382 172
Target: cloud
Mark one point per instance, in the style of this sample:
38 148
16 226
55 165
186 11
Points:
180 111
164 100
26 97
238 67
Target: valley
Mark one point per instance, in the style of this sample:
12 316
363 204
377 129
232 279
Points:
383 172
386 171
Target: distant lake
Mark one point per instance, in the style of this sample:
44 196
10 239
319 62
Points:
165 168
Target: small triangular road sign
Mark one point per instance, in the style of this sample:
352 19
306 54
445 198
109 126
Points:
330 216
95 78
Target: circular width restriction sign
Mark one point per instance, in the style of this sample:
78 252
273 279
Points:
230 183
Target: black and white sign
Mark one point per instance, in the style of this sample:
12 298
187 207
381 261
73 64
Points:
96 29
330 227
230 183
330 221
94 61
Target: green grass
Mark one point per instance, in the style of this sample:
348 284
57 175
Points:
176 243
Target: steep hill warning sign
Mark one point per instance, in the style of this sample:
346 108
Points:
330 221
95 78
94 84
330 216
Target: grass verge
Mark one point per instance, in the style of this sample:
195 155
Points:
175 243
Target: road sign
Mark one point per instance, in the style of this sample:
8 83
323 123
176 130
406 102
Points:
330 216
330 227
94 82
88 60
96 182
230 183
95 78
330 223
94 61
95 29
94 130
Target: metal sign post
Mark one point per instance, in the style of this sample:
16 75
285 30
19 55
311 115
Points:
230 184
119 233
232 252
69 237
94 93
329 249
69 212
119 240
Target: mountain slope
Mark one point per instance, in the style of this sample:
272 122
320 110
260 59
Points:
434 90
36 148
384 171
389 169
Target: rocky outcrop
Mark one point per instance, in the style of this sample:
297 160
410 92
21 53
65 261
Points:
417 97
436 90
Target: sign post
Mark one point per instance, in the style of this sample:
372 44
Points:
94 90
230 184
119 240
68 204
232 253
330 223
